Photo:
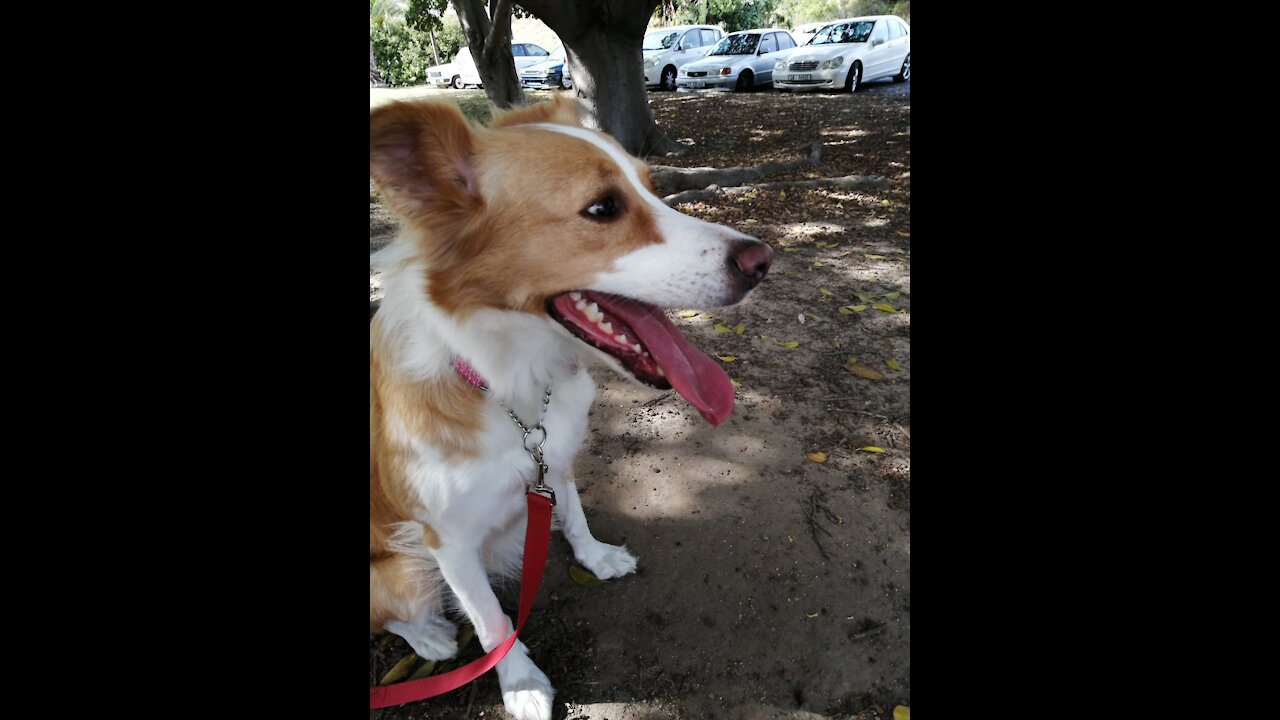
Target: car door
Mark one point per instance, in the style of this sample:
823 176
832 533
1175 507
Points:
897 44
690 46
762 63
879 55
534 54
786 45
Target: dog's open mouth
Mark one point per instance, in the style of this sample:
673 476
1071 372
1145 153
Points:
641 337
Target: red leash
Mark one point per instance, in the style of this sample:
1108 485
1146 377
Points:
537 536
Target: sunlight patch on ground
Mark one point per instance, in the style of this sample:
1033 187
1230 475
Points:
811 229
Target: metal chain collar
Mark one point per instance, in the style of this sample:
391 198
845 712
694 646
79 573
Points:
532 446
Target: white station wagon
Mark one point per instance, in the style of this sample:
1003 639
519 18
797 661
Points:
846 53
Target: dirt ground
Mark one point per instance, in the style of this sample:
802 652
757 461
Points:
770 585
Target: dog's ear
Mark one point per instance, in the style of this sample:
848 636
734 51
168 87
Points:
557 110
421 155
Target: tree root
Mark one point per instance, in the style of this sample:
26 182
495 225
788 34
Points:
667 179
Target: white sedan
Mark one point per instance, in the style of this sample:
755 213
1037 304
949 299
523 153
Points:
847 53
740 61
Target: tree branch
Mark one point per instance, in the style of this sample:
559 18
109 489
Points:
848 182
501 10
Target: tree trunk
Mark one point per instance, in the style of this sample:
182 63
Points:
435 53
603 41
490 46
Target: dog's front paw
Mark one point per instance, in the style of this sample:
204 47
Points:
527 693
431 637
607 561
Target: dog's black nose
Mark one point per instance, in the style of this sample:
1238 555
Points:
752 258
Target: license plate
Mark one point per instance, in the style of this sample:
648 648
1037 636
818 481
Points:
800 77
697 84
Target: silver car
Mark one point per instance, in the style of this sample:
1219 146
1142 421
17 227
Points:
847 53
740 61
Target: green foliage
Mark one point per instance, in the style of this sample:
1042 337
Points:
450 38
424 15
732 15
403 54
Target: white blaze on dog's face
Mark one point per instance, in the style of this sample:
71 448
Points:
539 215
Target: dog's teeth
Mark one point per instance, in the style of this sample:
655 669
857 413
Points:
607 327
575 295
582 305
660 372
636 347
593 313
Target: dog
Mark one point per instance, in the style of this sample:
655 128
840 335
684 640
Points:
528 249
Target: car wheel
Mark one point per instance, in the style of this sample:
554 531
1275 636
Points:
565 83
855 77
668 78
456 82
744 82
905 73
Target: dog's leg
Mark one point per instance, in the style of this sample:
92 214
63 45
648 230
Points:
403 600
526 691
605 560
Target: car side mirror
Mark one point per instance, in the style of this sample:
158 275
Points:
877 42
762 51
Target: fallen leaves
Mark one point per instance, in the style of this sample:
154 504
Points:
400 670
893 364
871 449
583 576
721 328
690 313
884 307
863 371
727 358
818 457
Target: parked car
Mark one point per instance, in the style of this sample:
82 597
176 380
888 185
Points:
445 75
804 33
740 61
550 74
524 54
666 50
847 53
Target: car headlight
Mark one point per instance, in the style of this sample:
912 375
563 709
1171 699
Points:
650 63
780 66
833 63
726 71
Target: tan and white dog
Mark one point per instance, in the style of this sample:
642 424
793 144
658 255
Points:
529 248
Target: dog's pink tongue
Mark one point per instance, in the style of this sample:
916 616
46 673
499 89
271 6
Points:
698 378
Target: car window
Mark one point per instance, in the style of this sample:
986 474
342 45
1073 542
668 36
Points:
895 29
785 41
535 50
736 45
858 31
768 44
691 40
659 40
517 50
879 33
709 37
903 26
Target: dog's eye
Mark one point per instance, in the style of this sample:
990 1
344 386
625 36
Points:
602 209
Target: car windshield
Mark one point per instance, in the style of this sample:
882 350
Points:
660 40
736 45
557 54
857 31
